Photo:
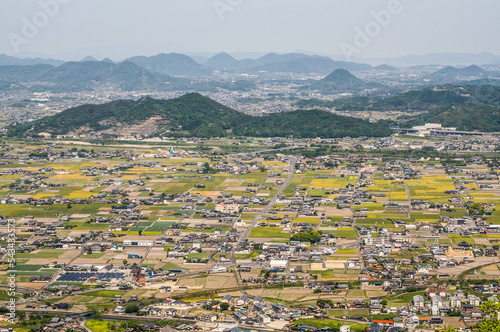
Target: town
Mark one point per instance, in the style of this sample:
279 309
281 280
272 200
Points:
349 234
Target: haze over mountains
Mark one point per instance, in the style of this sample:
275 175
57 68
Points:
158 72
272 85
85 75
444 58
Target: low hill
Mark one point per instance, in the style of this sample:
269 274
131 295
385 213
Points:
466 107
484 81
415 100
221 61
24 73
193 115
451 74
467 117
170 64
341 80
85 75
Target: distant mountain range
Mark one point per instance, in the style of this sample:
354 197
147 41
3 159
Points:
272 62
84 76
6 60
450 74
181 72
193 115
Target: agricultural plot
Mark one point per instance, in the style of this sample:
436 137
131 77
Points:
343 232
27 267
431 187
158 228
270 232
331 183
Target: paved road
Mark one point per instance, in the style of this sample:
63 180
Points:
247 231
84 326
357 245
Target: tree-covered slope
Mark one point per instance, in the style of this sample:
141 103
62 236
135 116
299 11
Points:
466 117
196 115
467 107
311 123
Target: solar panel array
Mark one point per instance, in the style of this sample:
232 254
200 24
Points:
84 276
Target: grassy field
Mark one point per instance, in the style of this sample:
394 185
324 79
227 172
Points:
104 293
102 326
344 232
272 232
26 267
333 323
347 251
45 253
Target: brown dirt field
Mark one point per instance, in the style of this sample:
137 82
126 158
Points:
272 293
490 268
157 253
483 241
188 282
231 283
79 216
33 285
460 268
375 293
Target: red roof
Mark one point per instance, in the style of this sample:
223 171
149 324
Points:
384 321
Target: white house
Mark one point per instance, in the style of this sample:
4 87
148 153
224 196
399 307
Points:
227 208
279 263
418 301
345 328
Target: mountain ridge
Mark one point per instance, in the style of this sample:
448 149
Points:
193 115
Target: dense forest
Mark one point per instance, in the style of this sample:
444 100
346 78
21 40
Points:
466 107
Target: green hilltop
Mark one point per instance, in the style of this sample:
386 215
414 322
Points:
197 115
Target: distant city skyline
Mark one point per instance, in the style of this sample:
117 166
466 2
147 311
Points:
343 29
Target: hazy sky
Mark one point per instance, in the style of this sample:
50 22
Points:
361 28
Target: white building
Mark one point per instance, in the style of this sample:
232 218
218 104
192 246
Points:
345 328
279 263
227 208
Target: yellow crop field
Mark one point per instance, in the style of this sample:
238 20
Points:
201 192
70 176
333 183
79 194
44 195
274 163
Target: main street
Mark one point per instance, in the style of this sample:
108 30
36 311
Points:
247 231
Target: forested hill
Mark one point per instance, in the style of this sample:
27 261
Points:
194 115
466 107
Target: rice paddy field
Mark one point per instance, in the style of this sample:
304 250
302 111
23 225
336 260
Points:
184 191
